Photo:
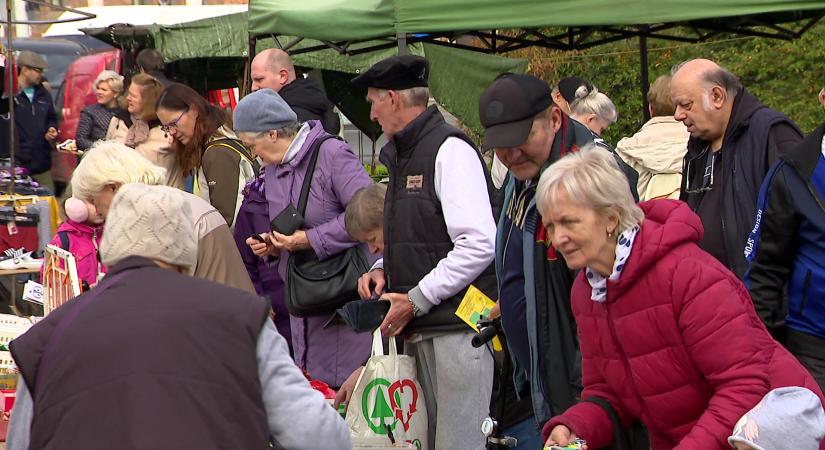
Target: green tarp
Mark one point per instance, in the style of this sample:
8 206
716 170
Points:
338 20
209 54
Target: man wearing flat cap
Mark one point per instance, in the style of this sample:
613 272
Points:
439 239
35 118
528 132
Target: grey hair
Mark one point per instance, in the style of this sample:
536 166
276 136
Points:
289 130
416 96
365 210
590 177
594 102
719 76
110 162
112 78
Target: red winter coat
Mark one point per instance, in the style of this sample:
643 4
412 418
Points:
677 345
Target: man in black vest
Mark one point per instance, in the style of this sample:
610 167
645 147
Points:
734 140
438 239
154 358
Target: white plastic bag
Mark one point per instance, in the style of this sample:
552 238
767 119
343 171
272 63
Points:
388 393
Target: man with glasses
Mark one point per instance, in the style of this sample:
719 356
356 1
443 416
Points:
35 119
734 140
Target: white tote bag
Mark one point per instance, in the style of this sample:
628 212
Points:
387 394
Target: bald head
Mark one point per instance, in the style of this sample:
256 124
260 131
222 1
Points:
272 69
704 92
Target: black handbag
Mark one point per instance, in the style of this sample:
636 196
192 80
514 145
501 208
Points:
633 438
317 287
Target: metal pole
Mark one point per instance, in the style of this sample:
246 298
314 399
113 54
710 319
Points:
402 44
645 82
10 68
247 79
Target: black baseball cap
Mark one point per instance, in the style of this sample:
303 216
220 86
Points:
507 108
568 87
396 73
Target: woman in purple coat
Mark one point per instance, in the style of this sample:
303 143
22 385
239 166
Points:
323 346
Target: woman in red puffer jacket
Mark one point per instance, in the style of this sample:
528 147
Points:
668 335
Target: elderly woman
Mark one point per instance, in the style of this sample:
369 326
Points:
668 335
95 119
595 110
139 127
326 349
109 165
207 153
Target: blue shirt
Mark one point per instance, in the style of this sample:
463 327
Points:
513 302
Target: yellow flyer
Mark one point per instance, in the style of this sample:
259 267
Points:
473 307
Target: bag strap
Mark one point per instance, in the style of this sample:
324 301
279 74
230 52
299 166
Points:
238 148
378 344
619 436
64 240
316 148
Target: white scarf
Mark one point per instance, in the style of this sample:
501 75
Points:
598 283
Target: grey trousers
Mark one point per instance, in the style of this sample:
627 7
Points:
456 380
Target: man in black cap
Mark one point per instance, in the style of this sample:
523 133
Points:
529 132
439 238
35 119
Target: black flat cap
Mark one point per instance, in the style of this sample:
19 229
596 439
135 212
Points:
508 106
396 73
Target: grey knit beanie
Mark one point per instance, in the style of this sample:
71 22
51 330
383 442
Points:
150 221
262 110
787 418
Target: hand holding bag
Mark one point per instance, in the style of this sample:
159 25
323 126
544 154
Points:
317 287
387 395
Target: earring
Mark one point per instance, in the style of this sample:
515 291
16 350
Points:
610 234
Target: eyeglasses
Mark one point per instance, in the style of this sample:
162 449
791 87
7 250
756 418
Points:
173 125
689 175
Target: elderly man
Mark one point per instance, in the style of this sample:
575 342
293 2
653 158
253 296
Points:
273 69
734 139
657 149
35 118
196 364
786 249
438 239
528 132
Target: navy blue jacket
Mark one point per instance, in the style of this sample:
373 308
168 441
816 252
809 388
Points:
32 119
786 247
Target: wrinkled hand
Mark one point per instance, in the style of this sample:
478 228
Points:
345 392
399 315
368 280
561 436
495 312
262 249
51 134
292 243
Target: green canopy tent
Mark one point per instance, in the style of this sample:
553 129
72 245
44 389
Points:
210 53
499 27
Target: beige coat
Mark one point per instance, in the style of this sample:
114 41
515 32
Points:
156 149
656 152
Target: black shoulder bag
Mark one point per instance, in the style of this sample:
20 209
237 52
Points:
633 438
317 287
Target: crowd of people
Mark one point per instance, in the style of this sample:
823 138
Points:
668 292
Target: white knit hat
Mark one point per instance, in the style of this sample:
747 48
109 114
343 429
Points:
150 221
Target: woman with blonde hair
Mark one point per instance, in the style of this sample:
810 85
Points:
109 165
95 119
668 335
139 127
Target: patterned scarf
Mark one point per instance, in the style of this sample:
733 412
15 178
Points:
138 132
598 283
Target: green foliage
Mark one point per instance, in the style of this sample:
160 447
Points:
786 76
380 172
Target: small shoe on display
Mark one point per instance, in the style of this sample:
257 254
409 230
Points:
21 260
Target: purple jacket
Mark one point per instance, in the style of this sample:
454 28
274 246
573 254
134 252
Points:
253 217
325 347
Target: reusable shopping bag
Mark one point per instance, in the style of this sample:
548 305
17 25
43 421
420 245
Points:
388 398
